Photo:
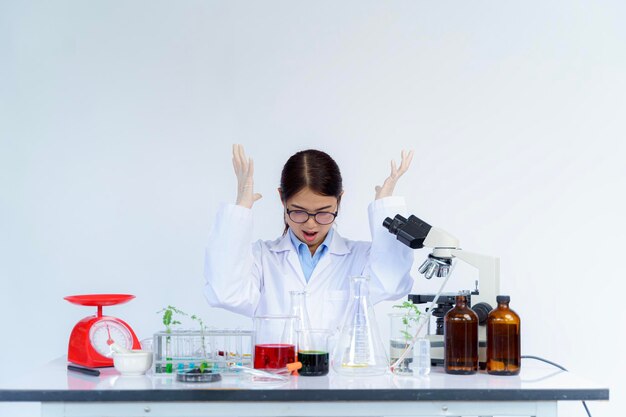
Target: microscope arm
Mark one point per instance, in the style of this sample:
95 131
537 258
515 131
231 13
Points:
488 266
488 271
446 246
439 238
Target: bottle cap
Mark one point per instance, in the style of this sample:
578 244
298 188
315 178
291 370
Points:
503 299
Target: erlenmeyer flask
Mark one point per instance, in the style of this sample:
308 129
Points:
298 309
359 350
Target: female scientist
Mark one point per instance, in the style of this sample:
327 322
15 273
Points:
255 279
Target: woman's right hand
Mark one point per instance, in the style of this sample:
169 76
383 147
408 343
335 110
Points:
244 169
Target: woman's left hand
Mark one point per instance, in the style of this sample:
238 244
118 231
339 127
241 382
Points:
386 189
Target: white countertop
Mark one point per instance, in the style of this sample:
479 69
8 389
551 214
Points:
53 382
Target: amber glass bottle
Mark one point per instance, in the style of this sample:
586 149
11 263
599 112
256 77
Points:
503 339
461 339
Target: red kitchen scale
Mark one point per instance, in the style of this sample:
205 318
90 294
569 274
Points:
92 336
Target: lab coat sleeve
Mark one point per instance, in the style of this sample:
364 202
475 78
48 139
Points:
390 261
231 270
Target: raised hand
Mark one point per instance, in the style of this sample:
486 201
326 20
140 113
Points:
386 189
244 169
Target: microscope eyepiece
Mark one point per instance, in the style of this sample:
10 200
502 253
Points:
392 225
411 232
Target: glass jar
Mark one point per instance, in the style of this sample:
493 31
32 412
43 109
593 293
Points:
503 339
461 338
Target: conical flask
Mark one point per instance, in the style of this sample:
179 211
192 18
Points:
298 309
360 351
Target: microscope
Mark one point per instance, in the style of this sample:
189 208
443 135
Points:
416 234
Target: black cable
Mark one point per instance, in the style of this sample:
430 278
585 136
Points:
558 366
544 360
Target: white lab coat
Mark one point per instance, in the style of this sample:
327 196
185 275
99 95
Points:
255 279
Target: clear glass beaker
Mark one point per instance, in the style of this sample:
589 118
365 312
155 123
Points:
313 351
359 351
274 341
402 329
298 309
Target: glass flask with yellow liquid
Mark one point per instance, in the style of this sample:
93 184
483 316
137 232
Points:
359 351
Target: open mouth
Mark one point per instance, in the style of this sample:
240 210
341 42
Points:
309 236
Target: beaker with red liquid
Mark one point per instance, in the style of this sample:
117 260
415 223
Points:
275 341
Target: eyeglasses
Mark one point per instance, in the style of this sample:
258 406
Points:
301 216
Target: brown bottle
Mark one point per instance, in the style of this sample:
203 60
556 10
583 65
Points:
461 339
503 339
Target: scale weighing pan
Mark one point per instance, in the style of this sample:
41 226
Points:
99 299
91 338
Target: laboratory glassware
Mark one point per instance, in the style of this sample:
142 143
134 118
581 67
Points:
421 357
206 349
298 309
198 375
313 351
91 338
359 350
279 374
274 341
461 338
402 329
503 339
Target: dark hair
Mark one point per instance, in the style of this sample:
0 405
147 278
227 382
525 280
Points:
310 169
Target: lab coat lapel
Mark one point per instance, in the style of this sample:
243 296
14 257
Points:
337 246
323 263
294 262
291 256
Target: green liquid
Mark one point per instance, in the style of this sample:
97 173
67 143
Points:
314 362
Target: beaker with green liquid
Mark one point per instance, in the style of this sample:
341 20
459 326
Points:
313 352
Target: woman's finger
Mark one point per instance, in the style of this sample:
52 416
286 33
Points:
235 166
250 168
394 168
407 157
239 163
243 159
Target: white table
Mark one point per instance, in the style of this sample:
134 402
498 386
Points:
535 392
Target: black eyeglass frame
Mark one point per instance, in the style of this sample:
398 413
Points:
314 215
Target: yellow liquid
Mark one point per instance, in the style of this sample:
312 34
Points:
354 365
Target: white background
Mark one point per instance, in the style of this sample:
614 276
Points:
117 119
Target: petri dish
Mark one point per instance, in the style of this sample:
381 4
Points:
195 375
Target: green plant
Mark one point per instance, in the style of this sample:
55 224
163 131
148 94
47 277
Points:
200 322
411 316
168 317
169 321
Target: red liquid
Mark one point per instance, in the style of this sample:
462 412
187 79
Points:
274 356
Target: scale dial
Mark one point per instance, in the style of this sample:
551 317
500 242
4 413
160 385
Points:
119 333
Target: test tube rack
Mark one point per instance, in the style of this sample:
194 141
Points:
212 349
